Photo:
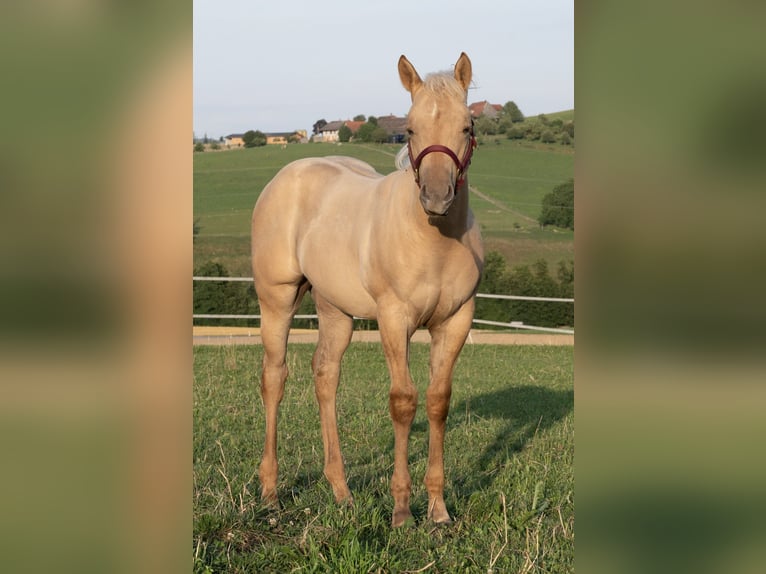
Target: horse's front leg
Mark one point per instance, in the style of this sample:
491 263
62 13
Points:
447 340
402 403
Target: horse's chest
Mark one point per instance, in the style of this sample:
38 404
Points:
443 288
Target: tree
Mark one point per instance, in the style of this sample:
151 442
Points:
199 146
364 133
254 138
512 110
316 128
360 118
558 206
485 126
379 135
344 133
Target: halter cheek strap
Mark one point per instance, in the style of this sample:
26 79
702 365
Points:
462 165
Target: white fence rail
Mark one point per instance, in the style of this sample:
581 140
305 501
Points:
511 325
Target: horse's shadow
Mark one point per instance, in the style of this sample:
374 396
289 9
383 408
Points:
521 411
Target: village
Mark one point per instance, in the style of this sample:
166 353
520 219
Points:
380 129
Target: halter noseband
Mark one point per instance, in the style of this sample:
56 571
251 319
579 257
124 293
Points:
462 166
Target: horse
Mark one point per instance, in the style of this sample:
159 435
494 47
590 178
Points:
403 249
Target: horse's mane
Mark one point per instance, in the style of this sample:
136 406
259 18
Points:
402 159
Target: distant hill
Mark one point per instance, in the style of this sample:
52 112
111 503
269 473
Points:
566 115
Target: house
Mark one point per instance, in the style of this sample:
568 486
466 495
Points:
395 127
329 132
234 140
283 138
277 138
485 109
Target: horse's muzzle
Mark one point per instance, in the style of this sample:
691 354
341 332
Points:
436 204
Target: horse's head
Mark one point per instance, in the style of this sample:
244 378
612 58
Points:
440 132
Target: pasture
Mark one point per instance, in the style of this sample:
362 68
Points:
509 180
508 459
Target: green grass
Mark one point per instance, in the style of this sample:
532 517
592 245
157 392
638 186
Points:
508 461
513 176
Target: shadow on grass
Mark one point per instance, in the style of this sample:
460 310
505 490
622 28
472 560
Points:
522 411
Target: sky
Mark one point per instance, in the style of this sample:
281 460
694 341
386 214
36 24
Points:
279 66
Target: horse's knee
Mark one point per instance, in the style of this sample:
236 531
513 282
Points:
403 404
437 403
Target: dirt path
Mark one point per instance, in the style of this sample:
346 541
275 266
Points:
500 206
252 336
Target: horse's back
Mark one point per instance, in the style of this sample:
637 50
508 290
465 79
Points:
310 222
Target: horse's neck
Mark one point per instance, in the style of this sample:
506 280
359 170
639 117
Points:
455 224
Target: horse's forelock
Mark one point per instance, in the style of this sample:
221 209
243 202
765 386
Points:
441 82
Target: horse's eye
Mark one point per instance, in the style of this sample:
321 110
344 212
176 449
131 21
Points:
467 130
410 132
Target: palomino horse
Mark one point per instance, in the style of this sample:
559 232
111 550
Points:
403 249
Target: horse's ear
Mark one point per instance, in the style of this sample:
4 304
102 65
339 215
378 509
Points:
463 71
409 77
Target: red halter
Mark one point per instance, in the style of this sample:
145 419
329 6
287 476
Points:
462 166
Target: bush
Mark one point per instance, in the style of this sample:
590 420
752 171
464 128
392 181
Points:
547 137
531 281
199 147
222 297
532 130
558 206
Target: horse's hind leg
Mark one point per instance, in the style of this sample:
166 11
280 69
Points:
278 305
447 339
335 328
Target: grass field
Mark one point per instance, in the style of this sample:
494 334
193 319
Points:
508 458
510 177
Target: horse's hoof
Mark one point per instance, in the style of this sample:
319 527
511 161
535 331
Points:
402 518
442 521
343 496
269 498
438 514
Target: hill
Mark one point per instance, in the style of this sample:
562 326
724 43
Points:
508 180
